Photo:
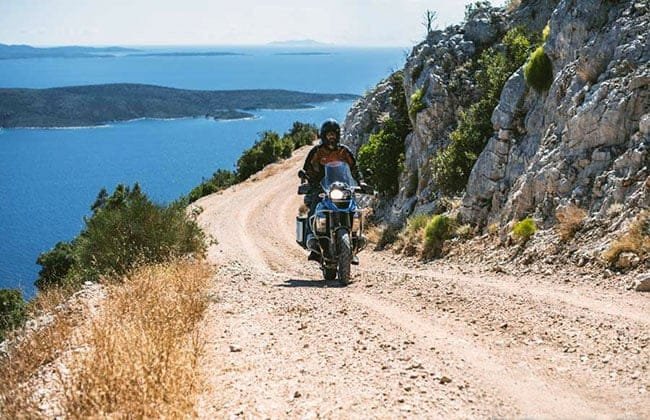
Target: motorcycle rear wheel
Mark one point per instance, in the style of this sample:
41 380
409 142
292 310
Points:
344 247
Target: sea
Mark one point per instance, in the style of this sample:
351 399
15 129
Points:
50 177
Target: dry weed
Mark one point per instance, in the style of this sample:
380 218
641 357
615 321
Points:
143 351
636 239
493 229
570 219
28 352
410 238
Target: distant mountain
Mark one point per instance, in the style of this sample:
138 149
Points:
98 104
298 43
26 51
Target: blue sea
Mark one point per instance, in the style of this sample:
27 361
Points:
50 177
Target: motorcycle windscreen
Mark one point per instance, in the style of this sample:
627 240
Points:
337 171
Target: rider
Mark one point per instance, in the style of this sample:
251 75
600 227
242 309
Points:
328 150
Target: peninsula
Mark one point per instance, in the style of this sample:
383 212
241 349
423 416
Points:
99 104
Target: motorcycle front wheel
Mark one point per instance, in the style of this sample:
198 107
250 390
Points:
329 273
344 246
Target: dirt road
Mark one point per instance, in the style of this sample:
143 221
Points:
404 339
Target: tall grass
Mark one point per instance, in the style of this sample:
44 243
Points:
410 239
28 352
144 349
135 356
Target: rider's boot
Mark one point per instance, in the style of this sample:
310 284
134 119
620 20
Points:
355 260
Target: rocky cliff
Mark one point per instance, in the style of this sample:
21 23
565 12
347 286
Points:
584 141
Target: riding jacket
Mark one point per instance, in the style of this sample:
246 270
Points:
320 155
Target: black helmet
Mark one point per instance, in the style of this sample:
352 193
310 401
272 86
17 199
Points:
330 126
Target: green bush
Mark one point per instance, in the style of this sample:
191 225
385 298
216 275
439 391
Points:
220 180
539 70
269 148
524 229
130 230
56 264
12 310
125 229
417 104
383 154
437 230
452 165
417 222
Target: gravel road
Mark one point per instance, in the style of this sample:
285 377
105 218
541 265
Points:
404 339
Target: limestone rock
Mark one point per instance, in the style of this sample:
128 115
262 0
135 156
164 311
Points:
642 283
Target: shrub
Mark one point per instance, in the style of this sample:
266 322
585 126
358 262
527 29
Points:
570 219
524 229
56 263
452 165
220 180
268 149
464 231
12 310
493 229
636 239
383 154
125 230
437 230
135 231
410 238
417 104
539 70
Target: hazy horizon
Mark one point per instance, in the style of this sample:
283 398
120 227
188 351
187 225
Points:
361 23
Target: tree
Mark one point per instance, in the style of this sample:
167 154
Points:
430 17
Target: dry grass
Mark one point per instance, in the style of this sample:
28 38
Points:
26 355
410 240
570 219
143 351
134 357
493 229
636 239
382 236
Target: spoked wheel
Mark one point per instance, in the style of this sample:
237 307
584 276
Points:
344 247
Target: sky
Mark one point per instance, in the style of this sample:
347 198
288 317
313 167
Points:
221 22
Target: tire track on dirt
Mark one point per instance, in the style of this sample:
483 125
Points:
273 301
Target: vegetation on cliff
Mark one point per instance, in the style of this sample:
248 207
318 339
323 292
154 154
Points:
383 154
452 165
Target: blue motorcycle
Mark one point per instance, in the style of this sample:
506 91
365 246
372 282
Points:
335 229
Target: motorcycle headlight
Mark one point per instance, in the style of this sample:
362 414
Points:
338 195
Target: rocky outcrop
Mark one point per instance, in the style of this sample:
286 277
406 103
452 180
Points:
582 142
436 70
586 140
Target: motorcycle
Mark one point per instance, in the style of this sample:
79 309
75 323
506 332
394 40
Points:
337 223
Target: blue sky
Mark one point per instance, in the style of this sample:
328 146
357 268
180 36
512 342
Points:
220 22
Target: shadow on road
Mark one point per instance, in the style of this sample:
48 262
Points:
310 283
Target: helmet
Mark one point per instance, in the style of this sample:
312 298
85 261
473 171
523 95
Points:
330 126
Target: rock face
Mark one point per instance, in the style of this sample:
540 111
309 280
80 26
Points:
584 141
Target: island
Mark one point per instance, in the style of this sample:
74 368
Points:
8 52
92 105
